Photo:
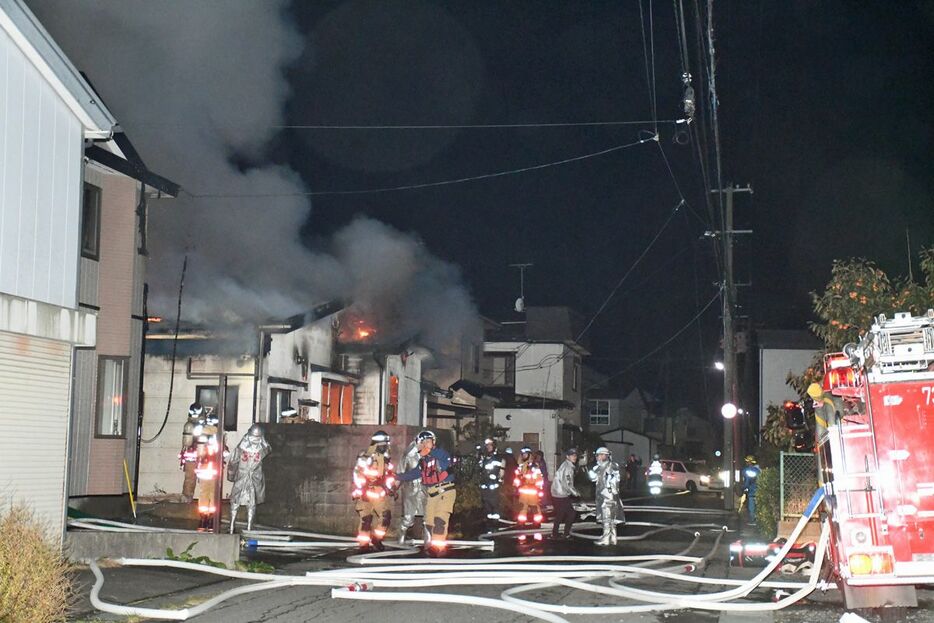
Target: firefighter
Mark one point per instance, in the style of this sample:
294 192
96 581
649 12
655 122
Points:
530 487
374 480
492 471
436 473
210 459
827 408
245 470
605 474
654 477
563 494
750 476
413 494
188 455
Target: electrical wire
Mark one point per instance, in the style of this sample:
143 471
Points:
478 126
662 345
629 271
178 318
386 189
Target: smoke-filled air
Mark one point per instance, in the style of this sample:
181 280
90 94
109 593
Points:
195 83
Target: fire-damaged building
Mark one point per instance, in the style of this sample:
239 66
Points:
328 365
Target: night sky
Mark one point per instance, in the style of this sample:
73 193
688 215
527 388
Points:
824 110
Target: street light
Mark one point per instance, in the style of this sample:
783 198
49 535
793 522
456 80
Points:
718 365
728 411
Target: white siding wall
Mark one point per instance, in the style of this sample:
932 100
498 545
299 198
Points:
35 385
774 366
40 182
543 422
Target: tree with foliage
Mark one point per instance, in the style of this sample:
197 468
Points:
858 291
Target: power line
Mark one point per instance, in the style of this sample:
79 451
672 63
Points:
386 189
435 126
476 126
649 81
629 271
662 345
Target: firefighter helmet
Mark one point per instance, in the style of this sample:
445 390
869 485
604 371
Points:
570 452
602 450
380 437
525 450
750 459
255 431
815 391
424 435
195 410
489 441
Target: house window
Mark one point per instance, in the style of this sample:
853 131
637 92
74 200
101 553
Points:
599 412
576 375
392 405
476 359
111 396
91 222
503 369
279 401
336 402
207 396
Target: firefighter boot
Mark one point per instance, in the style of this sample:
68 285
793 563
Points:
364 538
607 536
250 515
233 516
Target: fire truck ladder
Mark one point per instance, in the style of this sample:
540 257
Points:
869 471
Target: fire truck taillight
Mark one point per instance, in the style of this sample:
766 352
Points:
871 564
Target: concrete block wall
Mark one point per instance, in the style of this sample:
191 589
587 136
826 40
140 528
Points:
308 474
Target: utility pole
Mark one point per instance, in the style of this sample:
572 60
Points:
731 428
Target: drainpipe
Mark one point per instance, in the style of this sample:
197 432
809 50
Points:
139 401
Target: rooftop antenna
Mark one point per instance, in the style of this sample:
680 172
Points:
520 302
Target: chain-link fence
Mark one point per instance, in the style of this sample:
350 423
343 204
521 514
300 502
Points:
798 481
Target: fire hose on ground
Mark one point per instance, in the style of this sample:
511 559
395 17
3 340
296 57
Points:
522 574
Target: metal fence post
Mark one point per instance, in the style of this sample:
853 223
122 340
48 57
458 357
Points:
781 486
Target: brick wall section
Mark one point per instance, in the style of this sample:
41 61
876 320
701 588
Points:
308 474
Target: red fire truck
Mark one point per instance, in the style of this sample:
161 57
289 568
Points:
876 459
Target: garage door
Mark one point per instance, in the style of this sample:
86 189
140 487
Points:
35 376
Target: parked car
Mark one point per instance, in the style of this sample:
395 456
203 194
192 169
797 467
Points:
682 476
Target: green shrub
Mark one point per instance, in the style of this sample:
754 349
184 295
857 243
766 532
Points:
35 579
767 500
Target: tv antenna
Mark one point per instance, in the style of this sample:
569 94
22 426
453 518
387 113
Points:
520 302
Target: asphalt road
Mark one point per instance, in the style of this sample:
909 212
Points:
164 588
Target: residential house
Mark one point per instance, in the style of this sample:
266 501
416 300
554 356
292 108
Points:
620 421
309 362
534 371
48 112
106 387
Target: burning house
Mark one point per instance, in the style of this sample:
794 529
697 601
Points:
329 364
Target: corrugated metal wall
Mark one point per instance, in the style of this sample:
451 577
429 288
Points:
35 379
82 420
40 182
